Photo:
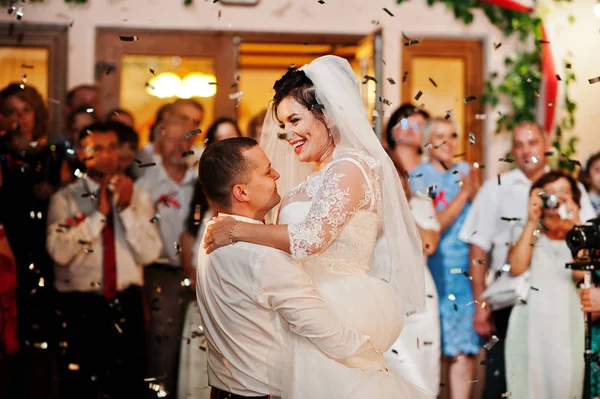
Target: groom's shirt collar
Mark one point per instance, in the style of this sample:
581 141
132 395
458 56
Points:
241 218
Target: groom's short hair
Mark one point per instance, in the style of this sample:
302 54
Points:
222 166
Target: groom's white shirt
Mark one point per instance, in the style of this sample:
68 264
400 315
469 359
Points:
248 294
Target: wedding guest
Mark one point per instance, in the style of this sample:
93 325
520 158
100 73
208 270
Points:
171 185
404 135
84 95
191 112
550 317
9 342
128 145
30 175
415 355
121 115
452 186
484 229
193 373
147 153
100 235
255 125
76 121
590 177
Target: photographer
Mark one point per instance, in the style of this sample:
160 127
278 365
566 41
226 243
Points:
545 337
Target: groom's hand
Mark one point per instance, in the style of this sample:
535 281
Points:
220 233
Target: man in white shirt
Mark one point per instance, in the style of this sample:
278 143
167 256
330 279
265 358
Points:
100 236
251 296
501 203
171 185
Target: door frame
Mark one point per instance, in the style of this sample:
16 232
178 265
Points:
222 46
471 52
55 38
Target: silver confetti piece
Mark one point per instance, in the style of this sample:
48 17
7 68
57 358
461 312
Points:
490 344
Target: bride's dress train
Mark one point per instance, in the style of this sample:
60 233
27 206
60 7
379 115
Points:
333 222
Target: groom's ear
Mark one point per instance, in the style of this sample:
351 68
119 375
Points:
239 193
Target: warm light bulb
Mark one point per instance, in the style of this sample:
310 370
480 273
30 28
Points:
197 85
596 10
164 85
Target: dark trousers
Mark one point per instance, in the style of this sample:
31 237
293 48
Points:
217 393
167 300
495 372
102 345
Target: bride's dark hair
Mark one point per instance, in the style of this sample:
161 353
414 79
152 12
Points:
297 85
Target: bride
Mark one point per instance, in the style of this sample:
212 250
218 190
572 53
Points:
344 189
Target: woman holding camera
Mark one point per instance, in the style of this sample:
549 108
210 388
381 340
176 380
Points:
545 339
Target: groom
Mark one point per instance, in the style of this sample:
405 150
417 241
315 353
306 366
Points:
251 296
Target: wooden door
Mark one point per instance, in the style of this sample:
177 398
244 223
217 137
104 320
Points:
446 73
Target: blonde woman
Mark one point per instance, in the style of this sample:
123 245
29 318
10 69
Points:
452 186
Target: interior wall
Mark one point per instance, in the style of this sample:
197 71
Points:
414 18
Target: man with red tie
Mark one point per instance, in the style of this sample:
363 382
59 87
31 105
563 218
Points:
171 185
100 235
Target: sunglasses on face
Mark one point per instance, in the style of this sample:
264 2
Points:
405 124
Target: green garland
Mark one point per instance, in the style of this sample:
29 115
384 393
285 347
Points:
523 80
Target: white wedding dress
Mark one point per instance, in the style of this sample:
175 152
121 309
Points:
333 222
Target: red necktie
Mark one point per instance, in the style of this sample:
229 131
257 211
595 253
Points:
109 285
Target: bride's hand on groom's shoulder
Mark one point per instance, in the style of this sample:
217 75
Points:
220 233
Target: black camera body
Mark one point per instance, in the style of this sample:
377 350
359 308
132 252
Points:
585 237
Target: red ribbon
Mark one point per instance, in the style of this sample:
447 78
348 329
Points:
75 220
549 80
168 200
440 197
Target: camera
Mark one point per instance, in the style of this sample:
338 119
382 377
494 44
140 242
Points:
585 236
549 201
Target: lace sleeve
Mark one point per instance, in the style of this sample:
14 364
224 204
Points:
347 186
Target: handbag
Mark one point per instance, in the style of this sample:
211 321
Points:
507 291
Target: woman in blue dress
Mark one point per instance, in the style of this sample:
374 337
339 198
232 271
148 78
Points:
452 187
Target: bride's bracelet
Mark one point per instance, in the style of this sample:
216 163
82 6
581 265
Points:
231 242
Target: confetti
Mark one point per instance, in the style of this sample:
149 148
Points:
185 154
118 328
506 394
507 160
471 138
594 80
543 41
481 117
404 76
419 94
490 344
509 219
428 146
470 98
26 66
433 82
138 161
129 38
236 96
146 165
391 81
177 247
467 275
41 345
499 181
573 161
192 133
558 77
549 153
152 71
374 22
412 42
497 45
316 107
155 218
431 189
385 101
533 288
366 78
73 366
452 297
449 114
456 270
462 154
388 12
20 13
149 86
568 66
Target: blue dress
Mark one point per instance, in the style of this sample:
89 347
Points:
449 265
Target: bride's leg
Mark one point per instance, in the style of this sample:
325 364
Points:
461 376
